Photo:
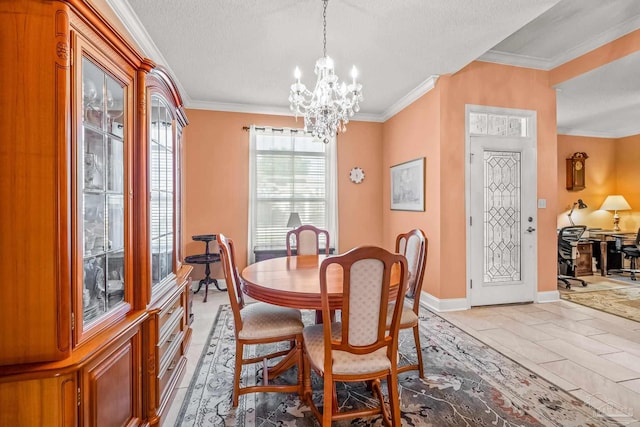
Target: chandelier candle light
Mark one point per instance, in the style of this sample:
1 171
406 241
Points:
328 108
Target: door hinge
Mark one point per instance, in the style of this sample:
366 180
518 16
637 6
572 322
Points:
79 394
470 220
471 284
73 321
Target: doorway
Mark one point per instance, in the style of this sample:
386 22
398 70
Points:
501 205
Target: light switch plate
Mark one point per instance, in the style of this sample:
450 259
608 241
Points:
542 203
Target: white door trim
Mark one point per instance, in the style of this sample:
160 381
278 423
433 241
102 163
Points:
531 133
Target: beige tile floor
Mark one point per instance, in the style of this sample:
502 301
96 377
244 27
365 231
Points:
593 355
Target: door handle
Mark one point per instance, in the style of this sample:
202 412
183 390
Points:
531 229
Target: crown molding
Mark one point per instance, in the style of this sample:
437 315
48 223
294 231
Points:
505 58
594 42
621 133
132 23
409 98
263 109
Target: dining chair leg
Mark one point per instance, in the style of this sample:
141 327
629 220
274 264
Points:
237 372
328 399
416 339
394 399
307 392
376 388
301 369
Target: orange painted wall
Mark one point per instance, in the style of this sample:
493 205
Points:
410 134
435 125
612 168
600 180
628 177
216 173
619 48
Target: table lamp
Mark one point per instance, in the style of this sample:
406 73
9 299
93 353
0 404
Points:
294 220
615 203
580 204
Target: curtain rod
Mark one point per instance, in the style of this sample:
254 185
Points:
276 129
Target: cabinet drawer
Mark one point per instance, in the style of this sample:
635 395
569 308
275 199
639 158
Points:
172 366
169 339
167 313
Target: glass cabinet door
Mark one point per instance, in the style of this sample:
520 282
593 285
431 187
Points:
101 202
162 191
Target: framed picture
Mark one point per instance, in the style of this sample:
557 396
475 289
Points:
407 186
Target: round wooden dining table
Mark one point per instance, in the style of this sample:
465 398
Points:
294 282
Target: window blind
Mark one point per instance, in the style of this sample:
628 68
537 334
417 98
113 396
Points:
289 174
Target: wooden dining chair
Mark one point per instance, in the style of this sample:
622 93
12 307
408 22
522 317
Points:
307 240
260 323
360 347
413 245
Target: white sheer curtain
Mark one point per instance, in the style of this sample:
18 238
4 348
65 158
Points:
289 172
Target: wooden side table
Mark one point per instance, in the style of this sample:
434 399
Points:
583 263
207 258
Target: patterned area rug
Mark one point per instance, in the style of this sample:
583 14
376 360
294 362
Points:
623 301
467 384
594 283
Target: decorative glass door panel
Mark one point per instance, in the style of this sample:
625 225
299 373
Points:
501 200
102 202
162 190
502 216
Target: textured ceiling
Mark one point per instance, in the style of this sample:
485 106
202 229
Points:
239 55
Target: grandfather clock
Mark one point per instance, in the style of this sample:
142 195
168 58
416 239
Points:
576 171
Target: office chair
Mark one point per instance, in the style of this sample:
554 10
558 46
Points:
568 238
632 252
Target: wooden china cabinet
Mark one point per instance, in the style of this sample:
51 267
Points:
93 316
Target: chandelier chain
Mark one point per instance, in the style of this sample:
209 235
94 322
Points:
324 29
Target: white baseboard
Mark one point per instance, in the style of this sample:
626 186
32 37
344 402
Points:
456 304
440 305
548 296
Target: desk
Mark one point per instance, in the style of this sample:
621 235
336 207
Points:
295 282
610 257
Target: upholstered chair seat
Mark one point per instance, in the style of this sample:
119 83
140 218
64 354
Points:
344 363
261 320
408 319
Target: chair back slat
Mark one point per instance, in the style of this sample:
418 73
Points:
232 278
365 292
308 243
413 245
307 240
367 273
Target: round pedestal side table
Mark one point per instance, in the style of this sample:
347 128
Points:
207 258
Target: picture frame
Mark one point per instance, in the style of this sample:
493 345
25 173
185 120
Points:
407 185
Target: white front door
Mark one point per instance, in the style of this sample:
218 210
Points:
501 203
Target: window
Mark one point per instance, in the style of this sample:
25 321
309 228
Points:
162 193
289 172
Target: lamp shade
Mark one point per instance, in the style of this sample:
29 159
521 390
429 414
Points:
615 202
294 220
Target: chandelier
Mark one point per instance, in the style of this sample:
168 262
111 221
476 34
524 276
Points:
328 108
